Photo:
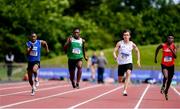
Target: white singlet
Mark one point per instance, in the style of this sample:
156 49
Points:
125 52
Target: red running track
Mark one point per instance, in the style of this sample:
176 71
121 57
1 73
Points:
60 94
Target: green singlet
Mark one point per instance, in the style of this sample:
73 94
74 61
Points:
74 50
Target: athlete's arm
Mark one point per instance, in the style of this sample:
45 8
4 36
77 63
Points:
115 50
67 43
156 52
84 51
137 54
173 51
45 45
29 49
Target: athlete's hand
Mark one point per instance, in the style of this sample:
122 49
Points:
31 46
155 60
86 58
115 58
139 64
69 40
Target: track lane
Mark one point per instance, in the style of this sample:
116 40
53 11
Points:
116 99
26 98
154 99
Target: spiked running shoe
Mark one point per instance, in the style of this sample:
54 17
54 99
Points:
77 85
73 85
166 96
32 92
162 90
124 93
36 83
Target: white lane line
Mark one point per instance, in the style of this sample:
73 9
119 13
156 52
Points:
47 97
175 90
72 107
25 85
142 96
29 91
9 84
19 83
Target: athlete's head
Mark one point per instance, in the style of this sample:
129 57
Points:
76 33
170 39
126 34
33 37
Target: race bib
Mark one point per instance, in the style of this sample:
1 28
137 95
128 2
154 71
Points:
124 55
33 53
76 51
167 59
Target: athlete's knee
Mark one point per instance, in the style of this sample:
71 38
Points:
166 77
120 79
35 68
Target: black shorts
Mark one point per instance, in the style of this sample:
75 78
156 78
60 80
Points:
170 69
123 68
72 63
31 64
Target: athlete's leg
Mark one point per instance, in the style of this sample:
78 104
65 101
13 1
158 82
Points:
165 78
30 74
120 79
71 66
127 80
35 71
170 76
79 72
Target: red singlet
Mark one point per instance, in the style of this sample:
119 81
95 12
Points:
167 57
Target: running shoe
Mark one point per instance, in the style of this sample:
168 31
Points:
166 96
124 93
33 92
77 85
73 85
162 90
36 83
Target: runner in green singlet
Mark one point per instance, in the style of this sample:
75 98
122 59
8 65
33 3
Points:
75 50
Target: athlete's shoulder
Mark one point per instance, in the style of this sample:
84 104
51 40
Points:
83 40
120 42
131 42
28 43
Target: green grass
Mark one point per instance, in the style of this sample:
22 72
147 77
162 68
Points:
147 58
15 76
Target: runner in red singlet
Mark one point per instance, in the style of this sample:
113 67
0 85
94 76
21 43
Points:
167 63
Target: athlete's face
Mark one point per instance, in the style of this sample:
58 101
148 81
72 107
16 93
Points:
33 37
76 33
126 36
170 39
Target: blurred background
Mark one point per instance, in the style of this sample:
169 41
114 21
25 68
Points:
101 23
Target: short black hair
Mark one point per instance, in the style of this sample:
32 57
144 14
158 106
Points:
76 28
170 34
126 30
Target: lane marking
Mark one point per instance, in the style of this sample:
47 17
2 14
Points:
47 97
75 106
175 90
43 89
142 96
19 83
26 85
9 84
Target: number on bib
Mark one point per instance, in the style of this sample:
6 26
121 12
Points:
76 51
33 53
167 59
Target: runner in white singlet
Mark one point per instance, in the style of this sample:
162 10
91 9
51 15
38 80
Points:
124 58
